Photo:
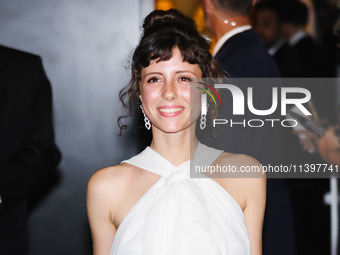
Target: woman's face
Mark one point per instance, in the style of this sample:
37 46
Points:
165 93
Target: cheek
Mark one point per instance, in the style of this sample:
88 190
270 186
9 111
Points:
186 94
195 103
149 95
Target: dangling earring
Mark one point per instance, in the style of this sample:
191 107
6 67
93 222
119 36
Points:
146 119
203 122
204 111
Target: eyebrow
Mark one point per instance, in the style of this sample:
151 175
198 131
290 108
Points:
178 72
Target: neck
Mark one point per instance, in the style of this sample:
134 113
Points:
222 23
175 147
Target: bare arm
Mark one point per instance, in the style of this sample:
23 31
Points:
250 193
100 209
254 212
253 200
111 193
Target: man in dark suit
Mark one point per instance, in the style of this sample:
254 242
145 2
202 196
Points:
240 53
294 18
267 24
27 149
309 54
300 56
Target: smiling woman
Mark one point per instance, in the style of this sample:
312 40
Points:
149 204
162 32
165 93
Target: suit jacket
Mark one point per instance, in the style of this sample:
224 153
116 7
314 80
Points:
27 149
288 62
306 59
243 56
313 64
311 56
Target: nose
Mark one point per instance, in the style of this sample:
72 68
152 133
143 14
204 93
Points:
170 91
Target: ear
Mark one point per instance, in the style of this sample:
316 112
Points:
208 5
140 97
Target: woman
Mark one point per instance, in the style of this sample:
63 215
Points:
149 204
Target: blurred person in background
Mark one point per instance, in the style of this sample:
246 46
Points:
267 23
329 145
28 154
240 54
294 18
282 28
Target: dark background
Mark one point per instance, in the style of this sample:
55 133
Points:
85 46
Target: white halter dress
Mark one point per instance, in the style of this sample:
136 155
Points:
180 215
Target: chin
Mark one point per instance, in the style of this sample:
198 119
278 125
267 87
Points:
173 129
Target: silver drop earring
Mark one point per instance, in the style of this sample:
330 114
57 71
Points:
146 119
204 111
203 122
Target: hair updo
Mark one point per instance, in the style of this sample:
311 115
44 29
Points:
162 31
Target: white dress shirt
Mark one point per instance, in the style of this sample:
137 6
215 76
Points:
228 35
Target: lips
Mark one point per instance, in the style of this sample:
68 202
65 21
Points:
170 111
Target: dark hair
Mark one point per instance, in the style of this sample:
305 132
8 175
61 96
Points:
273 5
241 7
294 12
162 31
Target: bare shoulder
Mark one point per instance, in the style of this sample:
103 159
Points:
110 194
112 179
243 185
241 165
118 188
237 159
249 190
118 182
119 172
108 186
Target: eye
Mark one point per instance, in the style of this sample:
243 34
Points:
184 78
153 79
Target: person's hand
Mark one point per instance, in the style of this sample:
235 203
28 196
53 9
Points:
308 140
329 147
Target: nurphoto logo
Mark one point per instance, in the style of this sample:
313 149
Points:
287 98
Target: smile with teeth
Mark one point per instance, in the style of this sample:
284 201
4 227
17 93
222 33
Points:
170 110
